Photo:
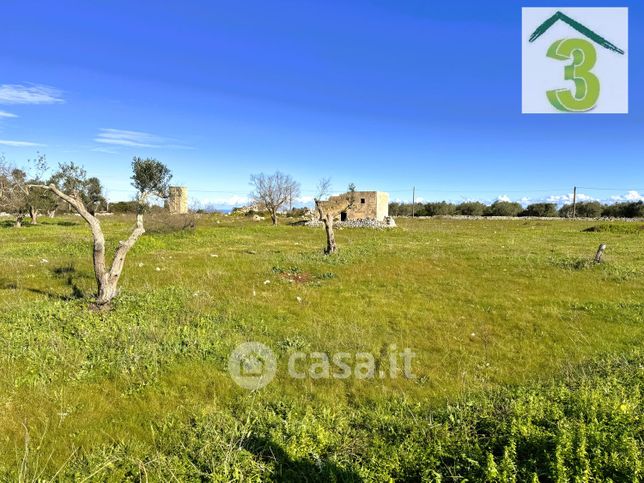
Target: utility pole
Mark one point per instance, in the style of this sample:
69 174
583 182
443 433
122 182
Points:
413 203
574 202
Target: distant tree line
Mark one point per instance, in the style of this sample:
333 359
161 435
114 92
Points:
586 209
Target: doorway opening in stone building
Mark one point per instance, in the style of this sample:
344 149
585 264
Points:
343 216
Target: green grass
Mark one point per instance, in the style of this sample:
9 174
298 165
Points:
496 310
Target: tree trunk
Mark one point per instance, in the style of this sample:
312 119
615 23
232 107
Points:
51 213
274 217
19 219
326 215
33 214
107 290
330 235
600 253
106 280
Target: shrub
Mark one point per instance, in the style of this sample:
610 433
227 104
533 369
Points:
123 207
167 223
622 228
297 213
540 210
503 208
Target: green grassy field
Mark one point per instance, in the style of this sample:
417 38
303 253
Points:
507 318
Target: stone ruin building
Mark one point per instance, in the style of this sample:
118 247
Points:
177 202
367 205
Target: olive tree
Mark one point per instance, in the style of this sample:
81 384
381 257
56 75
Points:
150 178
273 191
15 197
71 178
330 208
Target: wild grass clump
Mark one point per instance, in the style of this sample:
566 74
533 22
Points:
163 223
618 272
573 263
622 228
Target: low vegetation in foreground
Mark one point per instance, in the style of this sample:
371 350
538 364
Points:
528 362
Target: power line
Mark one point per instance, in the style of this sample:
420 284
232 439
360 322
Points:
611 189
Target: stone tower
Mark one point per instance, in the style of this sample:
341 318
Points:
178 200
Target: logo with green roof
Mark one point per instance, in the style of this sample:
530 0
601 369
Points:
576 39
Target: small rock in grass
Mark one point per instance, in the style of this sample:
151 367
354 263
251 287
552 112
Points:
299 299
266 282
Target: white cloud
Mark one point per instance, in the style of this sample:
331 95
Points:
7 114
18 144
630 196
504 198
120 137
104 150
229 201
564 199
236 201
305 199
29 94
138 139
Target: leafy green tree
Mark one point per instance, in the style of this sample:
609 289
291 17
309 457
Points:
633 209
503 208
150 178
406 209
471 208
15 196
585 209
71 178
540 210
441 208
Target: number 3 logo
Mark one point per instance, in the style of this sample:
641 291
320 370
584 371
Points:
583 56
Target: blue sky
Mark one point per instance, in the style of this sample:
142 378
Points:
386 94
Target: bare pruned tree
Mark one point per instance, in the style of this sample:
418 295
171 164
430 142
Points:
330 208
323 188
273 191
150 178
